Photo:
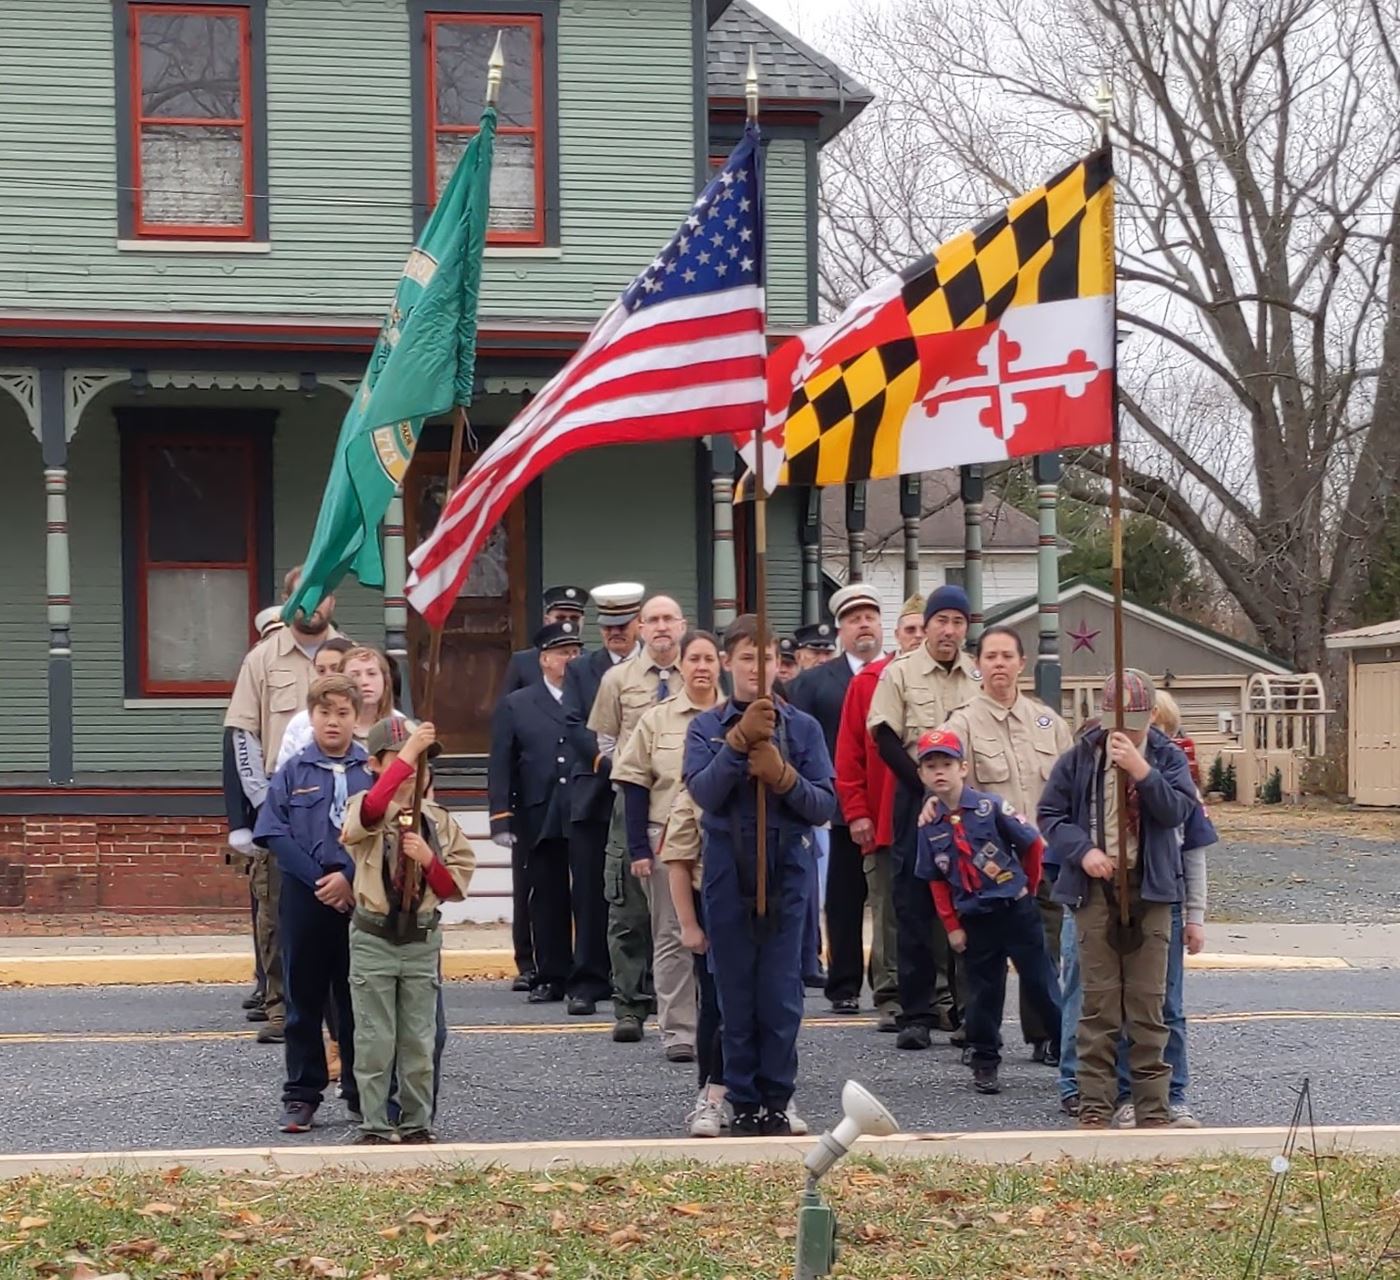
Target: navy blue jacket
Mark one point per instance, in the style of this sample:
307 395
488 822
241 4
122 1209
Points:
1071 816
821 693
718 779
527 775
998 838
592 798
294 821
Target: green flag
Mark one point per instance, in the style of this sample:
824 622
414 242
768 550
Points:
423 364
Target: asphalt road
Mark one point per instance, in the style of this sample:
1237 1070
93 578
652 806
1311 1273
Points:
150 1067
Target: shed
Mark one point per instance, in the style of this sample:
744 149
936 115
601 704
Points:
1373 699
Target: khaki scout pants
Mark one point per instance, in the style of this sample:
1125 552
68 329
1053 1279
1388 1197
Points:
642 926
1123 993
394 993
266 882
884 941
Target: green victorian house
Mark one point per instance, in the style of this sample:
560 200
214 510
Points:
206 209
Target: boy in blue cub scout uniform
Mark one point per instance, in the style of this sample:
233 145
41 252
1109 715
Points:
756 963
300 824
982 860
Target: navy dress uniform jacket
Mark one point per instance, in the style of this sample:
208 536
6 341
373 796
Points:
527 779
522 671
592 794
821 693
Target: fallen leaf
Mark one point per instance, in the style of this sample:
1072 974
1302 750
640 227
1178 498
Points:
156 1209
558 1222
628 1235
420 1219
578 1188
142 1247
1001 1219
324 1267
33 1223
1036 1214
544 1188
391 1233
690 1210
431 1238
84 1272
175 1174
234 1237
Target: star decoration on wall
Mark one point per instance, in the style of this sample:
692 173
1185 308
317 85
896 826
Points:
1083 638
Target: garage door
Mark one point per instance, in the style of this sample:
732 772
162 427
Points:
1376 727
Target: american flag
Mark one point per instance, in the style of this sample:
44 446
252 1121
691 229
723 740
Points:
679 354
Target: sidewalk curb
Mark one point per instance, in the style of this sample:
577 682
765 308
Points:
1038 1146
176 968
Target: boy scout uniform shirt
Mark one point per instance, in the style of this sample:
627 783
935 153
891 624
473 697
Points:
682 841
366 848
626 693
272 686
655 751
1010 750
916 692
1110 815
976 849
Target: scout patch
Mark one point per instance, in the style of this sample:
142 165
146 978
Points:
984 807
1043 721
976 673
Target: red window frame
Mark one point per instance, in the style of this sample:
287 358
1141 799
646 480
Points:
243 122
534 23
144 445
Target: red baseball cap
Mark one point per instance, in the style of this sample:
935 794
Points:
939 742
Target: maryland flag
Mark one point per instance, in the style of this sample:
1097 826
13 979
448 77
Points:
998 344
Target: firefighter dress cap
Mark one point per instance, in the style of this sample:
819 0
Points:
787 647
268 620
858 594
554 634
940 742
1140 696
618 602
390 733
565 597
816 635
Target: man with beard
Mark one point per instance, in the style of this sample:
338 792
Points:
272 687
640 907
821 693
1011 744
591 800
916 692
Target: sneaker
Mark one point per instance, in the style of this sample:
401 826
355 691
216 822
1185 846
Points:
984 1078
888 1020
254 999
273 1033
680 1053
1125 1117
1182 1118
797 1126
845 1006
707 1120
775 1124
375 1140
1069 1104
545 993
914 1036
296 1117
627 1030
746 1124
418 1137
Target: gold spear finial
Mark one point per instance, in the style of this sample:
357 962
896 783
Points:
751 86
495 69
1104 98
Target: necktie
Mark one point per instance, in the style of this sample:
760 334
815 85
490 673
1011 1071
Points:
663 689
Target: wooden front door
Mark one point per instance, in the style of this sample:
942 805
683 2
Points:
484 624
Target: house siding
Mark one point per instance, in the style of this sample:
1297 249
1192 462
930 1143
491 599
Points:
786 231
340 157
24 633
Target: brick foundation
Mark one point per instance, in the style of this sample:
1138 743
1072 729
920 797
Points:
52 863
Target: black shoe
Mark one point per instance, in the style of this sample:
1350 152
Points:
546 994
254 999
984 1078
775 1124
747 1124
948 1020
523 982
914 1036
958 1040
581 1007
273 1033
417 1138
373 1140
256 1012
815 981
1046 1051
1069 1104
680 1053
627 1030
848 1005
296 1117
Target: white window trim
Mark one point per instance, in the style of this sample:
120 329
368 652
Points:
194 246
523 251
175 704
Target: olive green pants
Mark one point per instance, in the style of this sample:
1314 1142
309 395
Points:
884 933
1123 993
394 991
266 883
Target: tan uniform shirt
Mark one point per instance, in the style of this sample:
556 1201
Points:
272 685
1110 815
366 848
627 691
1011 750
916 693
655 751
682 842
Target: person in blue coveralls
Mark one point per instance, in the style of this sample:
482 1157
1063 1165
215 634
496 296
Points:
757 961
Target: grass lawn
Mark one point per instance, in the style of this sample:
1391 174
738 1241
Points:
962 1222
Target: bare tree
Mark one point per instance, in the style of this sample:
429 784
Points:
1257 147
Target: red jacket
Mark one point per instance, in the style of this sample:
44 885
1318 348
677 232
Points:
864 783
1189 747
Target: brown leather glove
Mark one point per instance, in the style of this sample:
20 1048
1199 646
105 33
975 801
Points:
754 726
768 766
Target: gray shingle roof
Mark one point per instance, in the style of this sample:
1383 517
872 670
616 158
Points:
788 69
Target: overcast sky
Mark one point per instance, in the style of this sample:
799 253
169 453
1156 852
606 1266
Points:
805 18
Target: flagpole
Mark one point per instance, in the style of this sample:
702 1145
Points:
495 69
760 572
1115 525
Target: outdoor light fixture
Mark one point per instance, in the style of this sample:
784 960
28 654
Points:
816 1221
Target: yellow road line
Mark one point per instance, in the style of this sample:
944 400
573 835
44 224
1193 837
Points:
601 1028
